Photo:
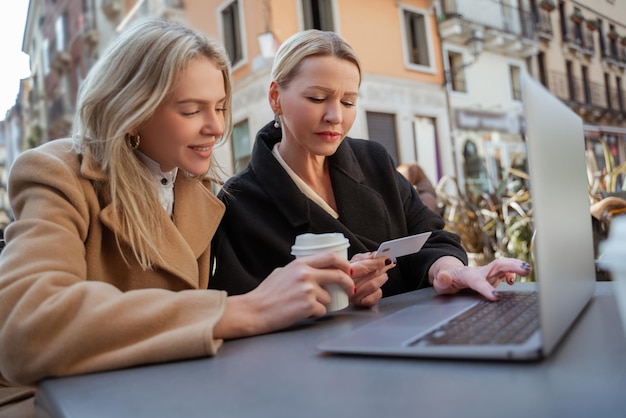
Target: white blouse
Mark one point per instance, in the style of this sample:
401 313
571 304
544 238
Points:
164 181
304 188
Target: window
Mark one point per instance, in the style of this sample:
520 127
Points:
46 55
620 97
427 155
231 32
601 37
541 65
61 32
516 86
578 29
570 80
612 49
586 88
607 90
417 36
382 128
457 77
242 145
318 14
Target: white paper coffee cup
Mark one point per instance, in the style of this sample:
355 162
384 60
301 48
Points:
311 244
613 258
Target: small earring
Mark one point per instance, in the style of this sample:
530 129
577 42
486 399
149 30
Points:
276 120
133 141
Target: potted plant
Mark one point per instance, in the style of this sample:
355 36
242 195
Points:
577 16
613 35
490 225
593 24
624 40
547 5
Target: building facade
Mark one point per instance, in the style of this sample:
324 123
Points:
582 60
440 77
402 103
487 45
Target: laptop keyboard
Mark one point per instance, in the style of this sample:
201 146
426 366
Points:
511 320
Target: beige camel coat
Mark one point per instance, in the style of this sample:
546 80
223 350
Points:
68 302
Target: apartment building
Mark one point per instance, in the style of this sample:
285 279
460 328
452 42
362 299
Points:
487 45
401 103
582 60
440 77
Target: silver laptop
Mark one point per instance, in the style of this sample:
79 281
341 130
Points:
564 261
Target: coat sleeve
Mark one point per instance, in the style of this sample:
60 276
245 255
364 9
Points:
408 215
54 320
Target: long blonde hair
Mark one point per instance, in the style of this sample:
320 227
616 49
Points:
123 90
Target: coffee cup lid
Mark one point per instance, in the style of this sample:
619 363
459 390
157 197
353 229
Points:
318 242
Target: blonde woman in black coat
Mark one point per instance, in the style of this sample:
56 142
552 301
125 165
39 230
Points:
306 175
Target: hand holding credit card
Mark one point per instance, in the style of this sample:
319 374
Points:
402 246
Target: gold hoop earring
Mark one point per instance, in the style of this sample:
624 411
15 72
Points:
133 141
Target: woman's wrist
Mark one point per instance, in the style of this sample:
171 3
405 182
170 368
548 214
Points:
239 320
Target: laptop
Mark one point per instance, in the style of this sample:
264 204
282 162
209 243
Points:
564 260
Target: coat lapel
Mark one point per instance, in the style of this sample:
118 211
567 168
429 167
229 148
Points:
197 214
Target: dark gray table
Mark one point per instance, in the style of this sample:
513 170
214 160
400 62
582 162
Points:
283 375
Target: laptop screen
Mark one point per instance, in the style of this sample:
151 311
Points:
563 240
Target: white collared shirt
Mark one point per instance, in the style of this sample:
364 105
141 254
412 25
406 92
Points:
164 181
304 188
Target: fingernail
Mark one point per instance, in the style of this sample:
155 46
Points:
496 294
351 271
355 289
526 266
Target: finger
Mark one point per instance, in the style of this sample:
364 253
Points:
502 266
370 300
362 256
371 285
310 299
327 276
324 269
443 283
363 268
511 278
486 289
326 261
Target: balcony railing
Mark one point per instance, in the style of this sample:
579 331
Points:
587 97
543 23
506 19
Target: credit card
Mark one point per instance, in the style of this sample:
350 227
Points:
402 246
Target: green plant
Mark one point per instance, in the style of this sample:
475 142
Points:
606 180
492 225
577 16
547 5
593 24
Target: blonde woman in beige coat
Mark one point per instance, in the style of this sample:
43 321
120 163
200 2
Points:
107 262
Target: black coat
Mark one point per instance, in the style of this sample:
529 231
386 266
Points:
265 211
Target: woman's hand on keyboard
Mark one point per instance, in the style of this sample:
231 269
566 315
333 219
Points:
449 275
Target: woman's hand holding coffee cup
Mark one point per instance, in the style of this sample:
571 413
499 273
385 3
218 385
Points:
309 244
289 294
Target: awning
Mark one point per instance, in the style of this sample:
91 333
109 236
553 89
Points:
616 130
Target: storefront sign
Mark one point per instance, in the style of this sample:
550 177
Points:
488 121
